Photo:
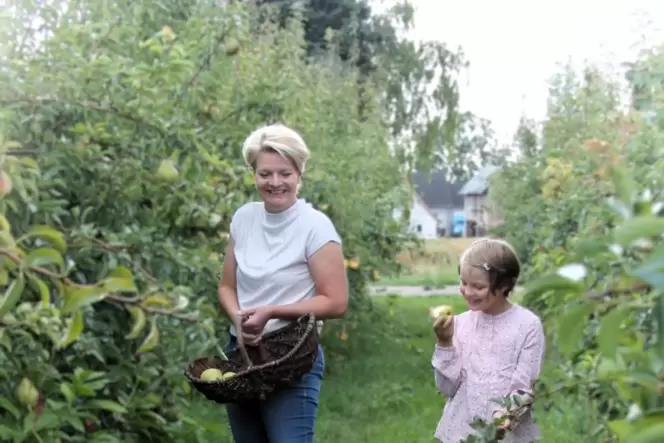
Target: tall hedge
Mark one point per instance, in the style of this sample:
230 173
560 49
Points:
585 210
121 132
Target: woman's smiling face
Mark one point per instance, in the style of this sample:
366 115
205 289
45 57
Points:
277 180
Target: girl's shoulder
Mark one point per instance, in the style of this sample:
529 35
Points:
517 316
525 316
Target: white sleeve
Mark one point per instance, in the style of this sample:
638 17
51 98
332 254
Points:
322 232
240 217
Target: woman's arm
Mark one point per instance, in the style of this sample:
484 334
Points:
328 272
227 285
446 363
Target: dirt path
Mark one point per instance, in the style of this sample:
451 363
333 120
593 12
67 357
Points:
412 291
416 291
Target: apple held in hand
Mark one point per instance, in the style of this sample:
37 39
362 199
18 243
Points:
442 311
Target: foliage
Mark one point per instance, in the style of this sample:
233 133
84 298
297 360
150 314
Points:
474 146
584 208
111 252
418 81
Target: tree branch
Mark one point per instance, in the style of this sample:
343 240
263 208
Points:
116 298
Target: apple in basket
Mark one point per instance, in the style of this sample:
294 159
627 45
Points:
214 374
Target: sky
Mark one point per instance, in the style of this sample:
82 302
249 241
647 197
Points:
515 46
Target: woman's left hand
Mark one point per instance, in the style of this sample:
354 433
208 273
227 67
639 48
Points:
255 319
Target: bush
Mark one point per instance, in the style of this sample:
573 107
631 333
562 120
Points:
113 236
585 211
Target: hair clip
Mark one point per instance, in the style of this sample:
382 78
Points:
486 267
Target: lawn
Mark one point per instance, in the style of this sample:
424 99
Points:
379 386
434 267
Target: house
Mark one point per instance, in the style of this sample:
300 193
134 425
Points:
437 207
442 198
423 222
479 217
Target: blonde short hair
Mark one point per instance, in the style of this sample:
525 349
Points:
277 138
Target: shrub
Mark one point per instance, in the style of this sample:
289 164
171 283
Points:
112 244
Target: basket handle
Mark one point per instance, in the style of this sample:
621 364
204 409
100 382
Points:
237 320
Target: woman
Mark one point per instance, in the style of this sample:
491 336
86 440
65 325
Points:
283 260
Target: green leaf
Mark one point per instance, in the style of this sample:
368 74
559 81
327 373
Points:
68 393
106 405
6 340
587 248
8 433
9 407
79 296
73 332
608 336
572 325
152 339
648 433
43 291
648 429
644 379
122 272
12 295
139 322
49 235
554 282
620 428
4 276
651 272
118 284
44 257
646 226
624 184
157 300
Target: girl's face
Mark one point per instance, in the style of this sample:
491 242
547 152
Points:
475 289
276 180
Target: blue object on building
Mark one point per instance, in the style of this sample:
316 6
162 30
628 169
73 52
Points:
458 223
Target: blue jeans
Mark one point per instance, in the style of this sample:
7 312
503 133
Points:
285 416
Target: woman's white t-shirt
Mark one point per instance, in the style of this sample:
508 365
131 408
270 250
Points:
272 252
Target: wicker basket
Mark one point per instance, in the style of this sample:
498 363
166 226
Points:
282 357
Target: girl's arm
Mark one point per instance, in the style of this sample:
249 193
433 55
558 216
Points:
227 286
446 363
527 371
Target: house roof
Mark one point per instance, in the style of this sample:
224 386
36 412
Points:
436 191
479 184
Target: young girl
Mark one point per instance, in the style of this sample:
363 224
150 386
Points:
492 350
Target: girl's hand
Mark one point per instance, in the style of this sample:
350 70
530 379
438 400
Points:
253 320
444 329
503 428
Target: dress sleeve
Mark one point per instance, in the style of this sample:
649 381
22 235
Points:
527 371
322 232
447 366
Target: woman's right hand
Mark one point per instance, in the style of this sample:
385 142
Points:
444 329
247 338
251 339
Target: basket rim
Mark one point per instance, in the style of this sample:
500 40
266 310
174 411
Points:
311 324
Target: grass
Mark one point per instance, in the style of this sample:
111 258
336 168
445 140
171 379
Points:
434 267
379 383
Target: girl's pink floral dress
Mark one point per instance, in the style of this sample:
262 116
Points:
492 356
